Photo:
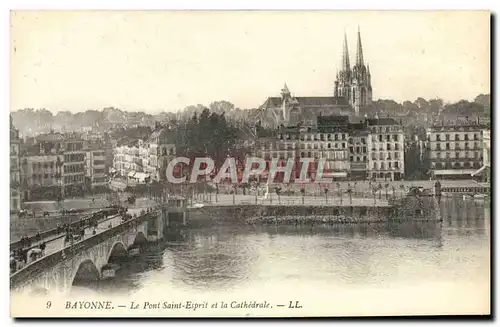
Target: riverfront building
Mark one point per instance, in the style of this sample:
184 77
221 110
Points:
142 161
95 172
357 150
456 150
15 178
52 166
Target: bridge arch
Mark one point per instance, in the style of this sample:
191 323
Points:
139 240
86 272
117 250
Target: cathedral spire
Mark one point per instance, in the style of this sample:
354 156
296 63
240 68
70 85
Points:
345 56
359 52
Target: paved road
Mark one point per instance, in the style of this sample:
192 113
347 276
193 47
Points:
225 199
56 243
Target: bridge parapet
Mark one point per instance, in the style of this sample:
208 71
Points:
33 270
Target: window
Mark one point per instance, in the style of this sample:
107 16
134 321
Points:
396 164
447 146
447 136
395 137
396 146
466 137
457 137
438 137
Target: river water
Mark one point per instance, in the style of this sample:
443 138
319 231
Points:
417 268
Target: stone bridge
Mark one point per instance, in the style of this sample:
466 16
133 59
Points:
83 261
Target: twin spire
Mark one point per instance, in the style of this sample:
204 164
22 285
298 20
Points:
345 53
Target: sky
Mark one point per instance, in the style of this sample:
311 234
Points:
166 60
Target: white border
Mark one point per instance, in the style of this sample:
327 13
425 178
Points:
188 4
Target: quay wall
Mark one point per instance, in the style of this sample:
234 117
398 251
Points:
240 213
409 208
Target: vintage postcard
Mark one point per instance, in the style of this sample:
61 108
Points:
250 163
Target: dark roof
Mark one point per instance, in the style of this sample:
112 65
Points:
50 137
321 101
308 101
332 120
382 121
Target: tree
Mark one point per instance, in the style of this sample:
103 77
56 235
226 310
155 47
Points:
340 192
278 193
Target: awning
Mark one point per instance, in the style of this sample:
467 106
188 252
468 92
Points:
141 176
480 170
454 172
131 174
337 174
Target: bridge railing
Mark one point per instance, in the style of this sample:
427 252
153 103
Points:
53 232
36 268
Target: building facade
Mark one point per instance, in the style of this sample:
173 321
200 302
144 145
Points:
73 173
386 159
367 149
95 166
15 177
145 160
455 150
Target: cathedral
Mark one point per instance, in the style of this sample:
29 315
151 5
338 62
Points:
352 92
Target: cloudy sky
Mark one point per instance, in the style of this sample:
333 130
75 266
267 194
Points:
164 60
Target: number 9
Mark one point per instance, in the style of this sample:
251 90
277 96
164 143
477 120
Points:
49 304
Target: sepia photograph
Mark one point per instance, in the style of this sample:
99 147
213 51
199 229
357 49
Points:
204 163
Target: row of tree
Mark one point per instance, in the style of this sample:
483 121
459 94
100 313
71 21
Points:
32 121
435 107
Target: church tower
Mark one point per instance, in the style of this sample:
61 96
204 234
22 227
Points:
354 84
343 82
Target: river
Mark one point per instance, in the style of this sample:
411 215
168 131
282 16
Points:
418 268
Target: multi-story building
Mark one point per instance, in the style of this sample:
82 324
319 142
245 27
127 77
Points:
161 151
95 172
386 158
359 139
145 161
370 149
41 167
73 174
15 192
455 149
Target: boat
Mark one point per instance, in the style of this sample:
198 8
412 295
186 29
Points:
196 206
474 196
